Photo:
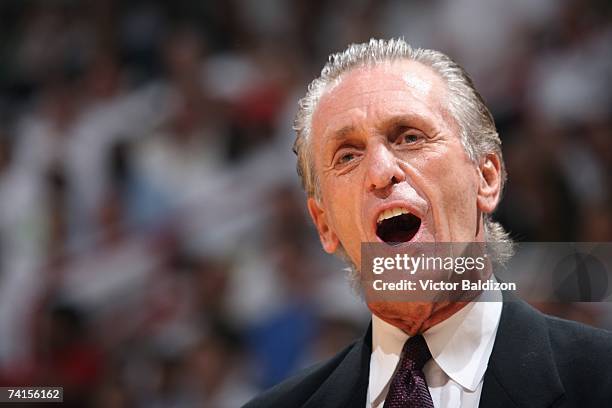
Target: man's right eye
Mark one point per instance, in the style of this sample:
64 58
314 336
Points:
346 156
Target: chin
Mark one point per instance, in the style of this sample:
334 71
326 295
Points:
410 317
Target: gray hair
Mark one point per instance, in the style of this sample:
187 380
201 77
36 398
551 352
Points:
477 127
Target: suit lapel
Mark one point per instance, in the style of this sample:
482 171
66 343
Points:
347 386
521 371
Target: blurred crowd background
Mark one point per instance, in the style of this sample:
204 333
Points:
154 245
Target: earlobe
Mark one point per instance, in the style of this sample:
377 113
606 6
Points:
329 240
489 187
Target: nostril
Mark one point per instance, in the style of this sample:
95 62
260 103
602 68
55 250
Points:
385 186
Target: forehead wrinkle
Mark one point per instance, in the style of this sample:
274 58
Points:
335 105
345 98
424 85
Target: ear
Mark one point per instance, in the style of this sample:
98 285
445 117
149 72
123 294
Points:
329 239
489 186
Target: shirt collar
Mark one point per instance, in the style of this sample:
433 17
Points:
460 345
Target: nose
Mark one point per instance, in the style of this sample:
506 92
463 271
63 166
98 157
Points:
383 169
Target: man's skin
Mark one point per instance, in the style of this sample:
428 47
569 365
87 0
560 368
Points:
383 137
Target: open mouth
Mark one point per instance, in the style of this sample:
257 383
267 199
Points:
397 225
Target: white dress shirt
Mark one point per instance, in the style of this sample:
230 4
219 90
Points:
460 347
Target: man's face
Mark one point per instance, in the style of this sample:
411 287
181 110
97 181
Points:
383 139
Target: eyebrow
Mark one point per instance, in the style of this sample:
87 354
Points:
403 120
340 136
342 133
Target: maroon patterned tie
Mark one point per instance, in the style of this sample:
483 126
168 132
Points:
408 387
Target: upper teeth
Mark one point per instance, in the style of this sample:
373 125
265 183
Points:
390 213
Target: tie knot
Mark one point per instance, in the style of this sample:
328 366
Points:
414 354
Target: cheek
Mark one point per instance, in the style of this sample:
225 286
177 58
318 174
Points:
457 187
452 182
345 211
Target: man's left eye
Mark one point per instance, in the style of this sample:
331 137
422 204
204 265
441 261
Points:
409 138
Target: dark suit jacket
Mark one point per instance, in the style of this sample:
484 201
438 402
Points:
537 361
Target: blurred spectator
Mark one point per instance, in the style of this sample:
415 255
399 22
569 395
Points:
215 371
65 354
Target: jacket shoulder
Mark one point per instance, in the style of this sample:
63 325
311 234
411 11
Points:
574 342
296 390
583 355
